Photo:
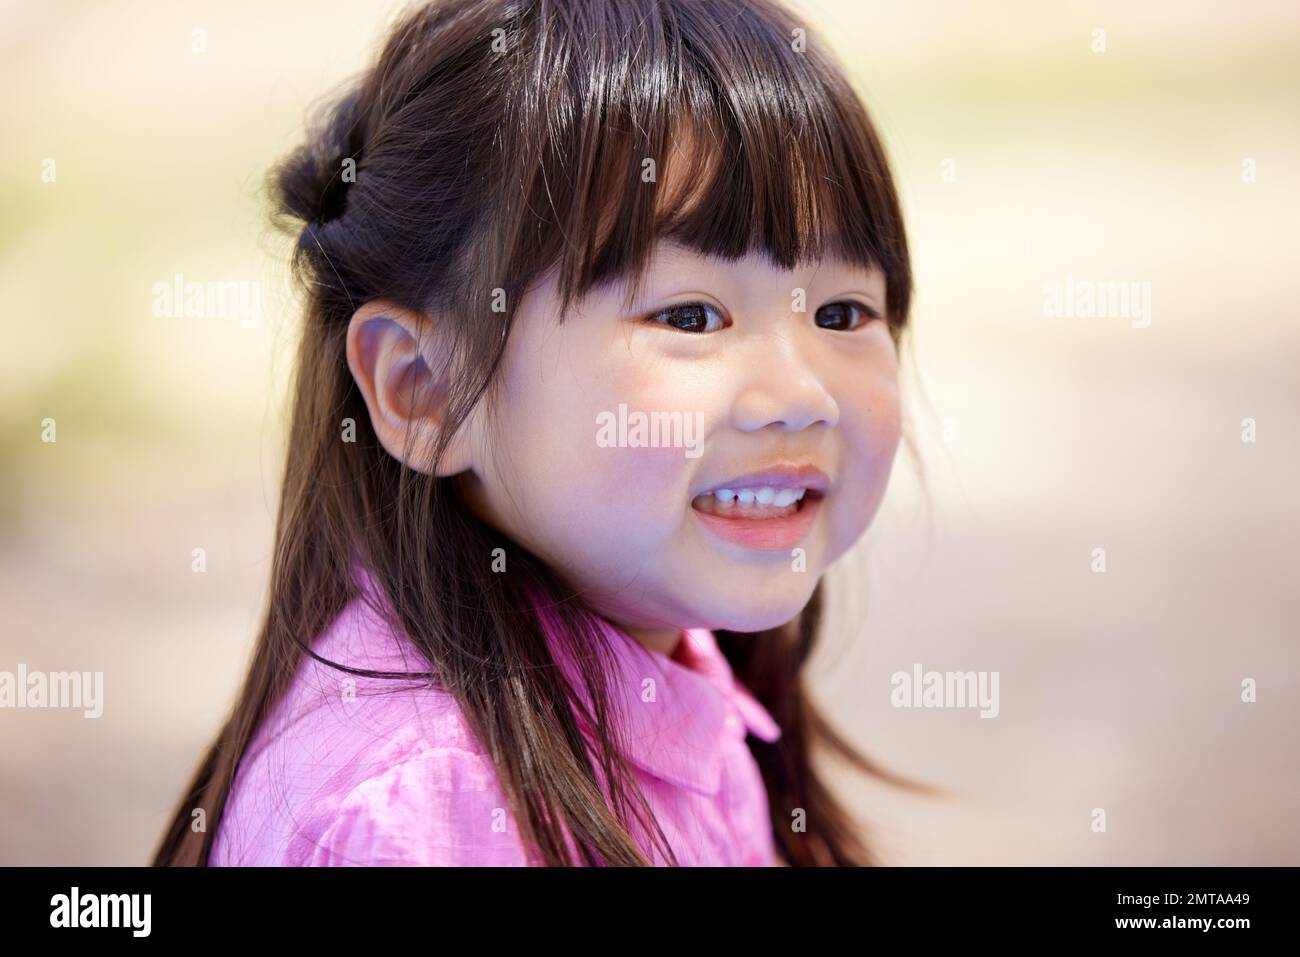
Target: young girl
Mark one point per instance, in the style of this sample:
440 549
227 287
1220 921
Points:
599 375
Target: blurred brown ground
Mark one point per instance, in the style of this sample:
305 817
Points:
1118 690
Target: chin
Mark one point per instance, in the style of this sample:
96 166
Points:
752 619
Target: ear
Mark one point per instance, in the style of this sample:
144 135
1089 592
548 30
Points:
400 360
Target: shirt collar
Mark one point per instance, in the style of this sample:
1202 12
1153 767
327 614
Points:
679 710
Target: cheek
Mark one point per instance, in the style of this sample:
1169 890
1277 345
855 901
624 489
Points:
565 493
872 418
879 416
871 425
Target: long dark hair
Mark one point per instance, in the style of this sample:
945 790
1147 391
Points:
493 140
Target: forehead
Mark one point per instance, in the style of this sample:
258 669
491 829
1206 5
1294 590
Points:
695 160
673 264
706 229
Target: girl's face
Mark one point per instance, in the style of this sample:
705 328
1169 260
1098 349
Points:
730 369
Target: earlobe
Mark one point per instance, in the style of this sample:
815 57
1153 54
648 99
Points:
400 365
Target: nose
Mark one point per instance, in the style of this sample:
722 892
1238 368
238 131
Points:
781 388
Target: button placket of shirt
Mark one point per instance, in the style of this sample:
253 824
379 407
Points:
733 722
698 653
690 656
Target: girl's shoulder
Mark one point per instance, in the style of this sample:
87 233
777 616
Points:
358 770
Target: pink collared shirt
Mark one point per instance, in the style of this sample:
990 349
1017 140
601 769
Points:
350 770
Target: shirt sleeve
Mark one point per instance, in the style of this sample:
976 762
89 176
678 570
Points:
439 807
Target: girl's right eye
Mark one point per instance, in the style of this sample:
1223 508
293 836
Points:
689 317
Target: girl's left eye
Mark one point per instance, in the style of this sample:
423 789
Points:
690 317
840 315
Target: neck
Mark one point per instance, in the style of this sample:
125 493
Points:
662 640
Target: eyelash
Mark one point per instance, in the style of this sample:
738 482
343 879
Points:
869 314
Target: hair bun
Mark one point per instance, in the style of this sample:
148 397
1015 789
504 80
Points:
309 184
333 198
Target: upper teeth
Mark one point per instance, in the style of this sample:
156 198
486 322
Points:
762 494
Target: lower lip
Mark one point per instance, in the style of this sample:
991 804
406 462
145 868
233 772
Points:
764 534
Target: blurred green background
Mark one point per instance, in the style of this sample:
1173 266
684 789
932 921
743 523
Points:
1023 156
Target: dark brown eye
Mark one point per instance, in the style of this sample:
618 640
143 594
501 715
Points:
689 317
845 316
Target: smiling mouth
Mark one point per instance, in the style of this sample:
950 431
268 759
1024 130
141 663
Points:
759 519
761 504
